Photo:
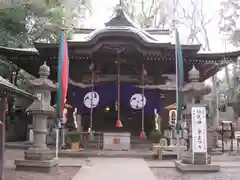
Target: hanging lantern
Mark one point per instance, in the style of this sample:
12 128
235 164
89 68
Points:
143 135
119 124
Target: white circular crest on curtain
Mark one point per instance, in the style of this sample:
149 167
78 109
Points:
91 99
138 101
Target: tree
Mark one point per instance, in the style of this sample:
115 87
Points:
150 13
80 10
190 15
25 22
229 14
12 24
195 19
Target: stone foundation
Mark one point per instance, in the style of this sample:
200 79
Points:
199 158
33 165
39 154
196 168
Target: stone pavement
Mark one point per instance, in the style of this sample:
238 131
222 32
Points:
163 170
172 174
170 164
115 168
222 160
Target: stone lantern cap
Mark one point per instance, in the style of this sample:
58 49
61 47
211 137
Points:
195 87
194 74
43 82
44 70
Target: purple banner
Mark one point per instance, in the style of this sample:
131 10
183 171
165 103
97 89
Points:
105 95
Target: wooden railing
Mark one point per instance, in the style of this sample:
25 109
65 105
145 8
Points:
96 143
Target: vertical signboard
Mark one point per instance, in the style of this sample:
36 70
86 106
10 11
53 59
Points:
199 130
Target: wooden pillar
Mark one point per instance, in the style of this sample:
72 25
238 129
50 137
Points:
2 137
79 122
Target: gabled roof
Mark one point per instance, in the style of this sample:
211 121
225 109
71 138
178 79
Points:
9 87
122 27
122 24
24 51
121 19
220 56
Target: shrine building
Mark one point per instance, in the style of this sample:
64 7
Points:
120 60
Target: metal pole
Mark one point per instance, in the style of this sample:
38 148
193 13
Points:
57 142
63 136
232 136
222 133
176 67
217 104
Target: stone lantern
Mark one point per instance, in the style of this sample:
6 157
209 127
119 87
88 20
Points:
193 94
38 155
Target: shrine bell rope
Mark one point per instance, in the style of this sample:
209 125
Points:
118 86
143 134
92 88
91 135
143 91
118 123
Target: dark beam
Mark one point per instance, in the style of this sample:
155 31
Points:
2 138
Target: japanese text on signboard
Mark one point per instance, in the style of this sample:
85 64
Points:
199 129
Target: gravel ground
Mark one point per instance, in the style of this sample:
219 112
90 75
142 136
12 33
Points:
172 174
58 173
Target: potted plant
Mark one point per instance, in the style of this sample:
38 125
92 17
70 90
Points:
74 138
155 137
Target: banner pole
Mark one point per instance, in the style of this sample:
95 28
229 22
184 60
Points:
177 97
57 141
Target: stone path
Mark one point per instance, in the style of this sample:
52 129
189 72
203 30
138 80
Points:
115 169
172 174
170 164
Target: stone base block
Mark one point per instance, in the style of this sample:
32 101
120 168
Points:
38 166
196 168
39 154
199 158
234 153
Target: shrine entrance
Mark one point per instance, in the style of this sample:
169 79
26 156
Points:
104 120
99 107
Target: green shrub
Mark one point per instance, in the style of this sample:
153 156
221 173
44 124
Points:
74 136
155 136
